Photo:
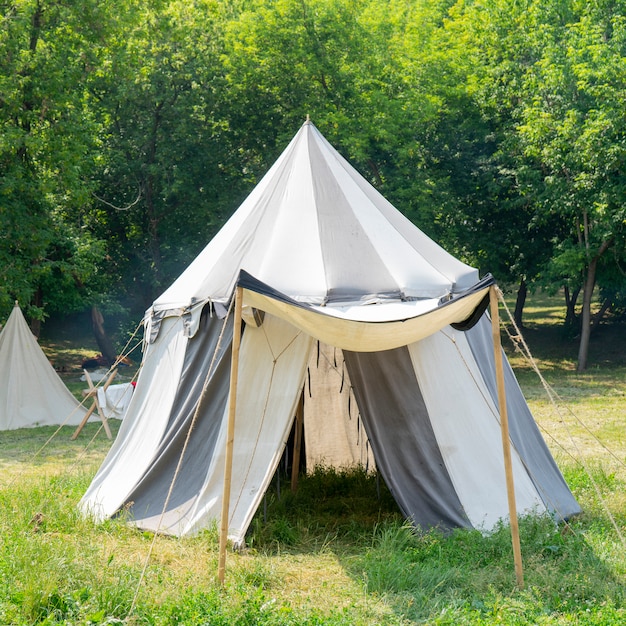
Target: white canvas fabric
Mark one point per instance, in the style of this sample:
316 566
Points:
466 423
31 392
344 328
137 439
114 400
321 256
290 233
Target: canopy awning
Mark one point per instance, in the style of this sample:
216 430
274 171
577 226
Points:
367 328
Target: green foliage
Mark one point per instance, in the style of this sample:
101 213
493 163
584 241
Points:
338 62
131 131
329 503
572 127
47 148
165 165
460 577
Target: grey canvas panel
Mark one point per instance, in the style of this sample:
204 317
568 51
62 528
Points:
525 435
345 258
405 448
150 492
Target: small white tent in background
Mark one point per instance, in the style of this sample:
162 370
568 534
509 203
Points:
318 257
31 392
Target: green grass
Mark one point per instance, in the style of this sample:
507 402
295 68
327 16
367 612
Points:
336 552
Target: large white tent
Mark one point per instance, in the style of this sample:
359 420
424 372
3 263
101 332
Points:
318 258
31 392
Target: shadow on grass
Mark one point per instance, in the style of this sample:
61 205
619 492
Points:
38 446
432 577
468 577
557 351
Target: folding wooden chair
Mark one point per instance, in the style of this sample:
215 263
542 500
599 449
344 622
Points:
92 392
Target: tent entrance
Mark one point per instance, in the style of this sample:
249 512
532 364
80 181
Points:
334 434
327 430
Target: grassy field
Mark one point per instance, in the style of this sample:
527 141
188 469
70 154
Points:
335 552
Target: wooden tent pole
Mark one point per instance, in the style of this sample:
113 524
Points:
230 435
297 445
506 442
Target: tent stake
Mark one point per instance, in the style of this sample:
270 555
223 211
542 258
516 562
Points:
230 435
506 442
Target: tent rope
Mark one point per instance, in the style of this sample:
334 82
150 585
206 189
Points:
275 358
180 460
490 402
517 341
552 395
125 352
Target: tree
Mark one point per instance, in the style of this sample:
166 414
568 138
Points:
488 213
166 174
46 151
573 129
357 68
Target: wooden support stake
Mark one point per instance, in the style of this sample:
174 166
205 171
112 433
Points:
105 422
75 434
297 445
506 442
230 436
92 392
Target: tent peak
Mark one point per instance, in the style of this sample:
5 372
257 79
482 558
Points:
308 119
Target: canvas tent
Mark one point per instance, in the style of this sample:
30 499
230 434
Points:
31 392
317 257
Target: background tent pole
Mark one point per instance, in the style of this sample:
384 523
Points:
506 442
297 445
230 436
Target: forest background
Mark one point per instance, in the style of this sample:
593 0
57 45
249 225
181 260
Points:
130 130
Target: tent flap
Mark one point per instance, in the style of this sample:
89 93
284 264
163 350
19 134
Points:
399 429
347 328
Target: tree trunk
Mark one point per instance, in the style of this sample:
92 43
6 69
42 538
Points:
35 324
570 306
522 292
599 316
102 339
590 283
585 328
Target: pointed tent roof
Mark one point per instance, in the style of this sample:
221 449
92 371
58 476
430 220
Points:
317 231
31 392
